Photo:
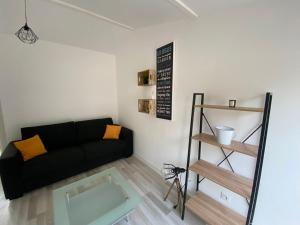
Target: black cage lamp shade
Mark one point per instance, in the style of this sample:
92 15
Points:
25 33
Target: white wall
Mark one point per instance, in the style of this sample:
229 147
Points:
3 139
48 83
240 53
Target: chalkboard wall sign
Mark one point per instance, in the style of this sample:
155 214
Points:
164 85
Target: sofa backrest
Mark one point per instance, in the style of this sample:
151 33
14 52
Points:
91 130
54 136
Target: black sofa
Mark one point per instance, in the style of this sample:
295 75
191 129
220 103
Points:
73 147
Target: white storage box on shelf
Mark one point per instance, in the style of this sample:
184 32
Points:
224 134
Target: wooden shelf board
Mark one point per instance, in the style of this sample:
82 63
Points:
247 109
234 182
213 212
247 149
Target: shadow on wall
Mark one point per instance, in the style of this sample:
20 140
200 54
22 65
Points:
3 140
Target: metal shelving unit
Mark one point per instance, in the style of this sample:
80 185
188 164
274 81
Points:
211 211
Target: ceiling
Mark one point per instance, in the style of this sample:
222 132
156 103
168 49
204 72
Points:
84 22
133 13
143 13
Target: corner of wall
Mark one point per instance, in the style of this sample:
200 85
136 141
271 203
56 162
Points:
3 139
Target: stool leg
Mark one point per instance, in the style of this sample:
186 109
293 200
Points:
180 195
165 198
178 192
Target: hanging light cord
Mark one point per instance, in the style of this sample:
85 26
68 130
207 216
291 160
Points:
26 11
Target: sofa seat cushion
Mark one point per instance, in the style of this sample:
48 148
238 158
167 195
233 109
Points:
104 149
54 162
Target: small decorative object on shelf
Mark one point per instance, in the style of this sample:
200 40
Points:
232 103
146 105
147 78
224 135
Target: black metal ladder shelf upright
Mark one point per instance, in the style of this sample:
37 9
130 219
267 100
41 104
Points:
263 127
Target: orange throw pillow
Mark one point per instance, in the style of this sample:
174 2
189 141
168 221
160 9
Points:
31 147
112 132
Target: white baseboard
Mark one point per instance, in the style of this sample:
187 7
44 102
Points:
151 165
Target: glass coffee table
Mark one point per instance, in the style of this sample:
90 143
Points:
101 199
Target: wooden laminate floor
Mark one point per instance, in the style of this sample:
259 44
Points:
36 208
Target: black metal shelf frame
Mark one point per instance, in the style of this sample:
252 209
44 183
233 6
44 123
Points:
259 162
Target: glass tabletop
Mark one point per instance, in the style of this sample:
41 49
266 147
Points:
101 199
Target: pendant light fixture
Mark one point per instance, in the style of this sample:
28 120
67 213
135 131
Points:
25 33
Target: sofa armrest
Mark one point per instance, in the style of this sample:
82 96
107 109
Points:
10 170
127 136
